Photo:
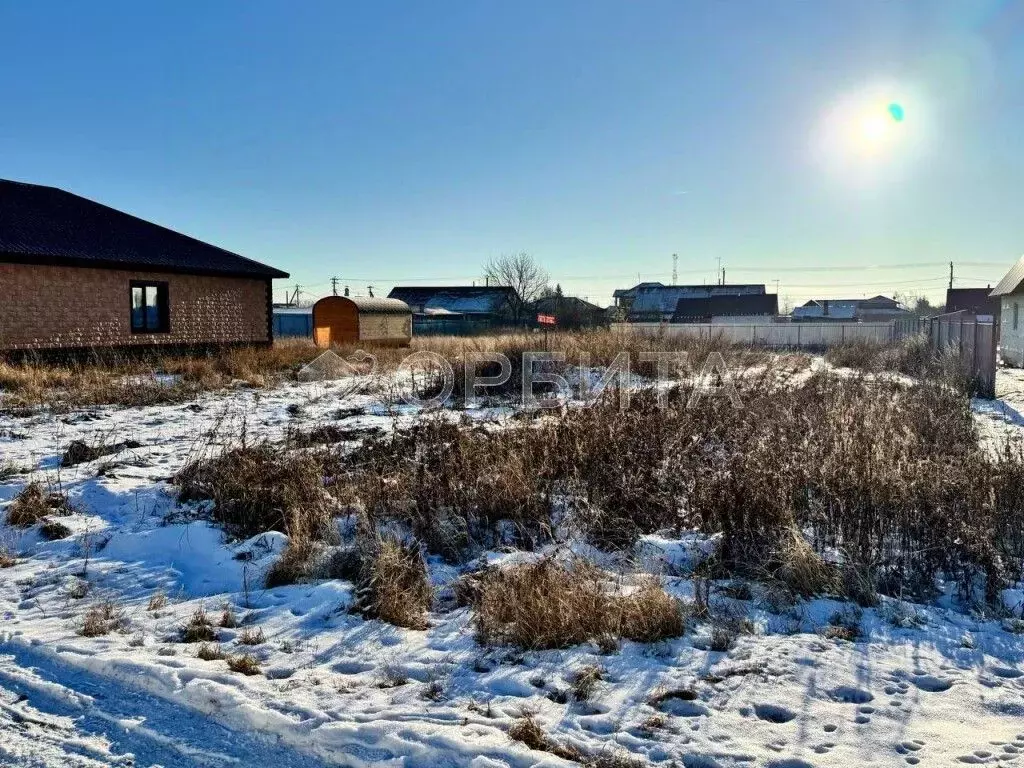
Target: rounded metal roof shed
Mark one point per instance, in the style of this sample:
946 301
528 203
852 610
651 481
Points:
348 320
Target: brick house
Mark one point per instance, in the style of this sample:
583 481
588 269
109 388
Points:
75 274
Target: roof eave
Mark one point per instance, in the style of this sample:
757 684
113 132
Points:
129 266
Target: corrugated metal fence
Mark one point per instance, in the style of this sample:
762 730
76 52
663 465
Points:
971 342
963 337
793 335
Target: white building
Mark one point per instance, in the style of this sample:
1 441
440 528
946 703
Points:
1010 294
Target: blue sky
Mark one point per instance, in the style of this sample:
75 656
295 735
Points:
392 142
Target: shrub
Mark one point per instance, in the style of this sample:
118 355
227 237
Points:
228 620
394 584
546 604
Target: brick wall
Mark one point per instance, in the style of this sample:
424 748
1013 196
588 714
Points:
46 307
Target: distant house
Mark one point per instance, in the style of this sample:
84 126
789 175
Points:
974 301
623 297
457 309
77 275
656 303
571 311
755 307
1009 292
875 309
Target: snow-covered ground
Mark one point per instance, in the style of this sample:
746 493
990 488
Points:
339 689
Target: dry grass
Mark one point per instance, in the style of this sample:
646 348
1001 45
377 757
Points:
262 488
132 380
33 504
199 628
54 530
228 620
548 604
252 636
585 680
102 619
394 584
157 601
527 731
210 652
245 664
7 560
294 564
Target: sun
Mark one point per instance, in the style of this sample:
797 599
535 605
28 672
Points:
871 134
877 127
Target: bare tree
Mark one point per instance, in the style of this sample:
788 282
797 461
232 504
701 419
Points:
521 272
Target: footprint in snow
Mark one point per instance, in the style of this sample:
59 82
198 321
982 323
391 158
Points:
773 713
931 683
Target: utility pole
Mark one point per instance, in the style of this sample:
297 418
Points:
295 298
675 269
951 275
719 271
776 286
334 286
723 275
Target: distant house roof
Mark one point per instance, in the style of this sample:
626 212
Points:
625 293
1011 280
658 302
46 225
460 298
704 308
848 309
565 304
974 300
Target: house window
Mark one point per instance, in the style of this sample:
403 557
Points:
150 313
1016 314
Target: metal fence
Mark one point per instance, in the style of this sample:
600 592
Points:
972 343
792 335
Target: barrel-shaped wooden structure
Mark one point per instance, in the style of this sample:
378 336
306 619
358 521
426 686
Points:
358 319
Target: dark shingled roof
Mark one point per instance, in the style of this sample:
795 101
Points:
46 225
704 308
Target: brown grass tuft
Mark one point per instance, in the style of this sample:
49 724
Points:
244 663
210 652
394 584
547 604
103 618
199 628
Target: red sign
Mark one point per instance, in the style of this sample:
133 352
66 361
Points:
547 320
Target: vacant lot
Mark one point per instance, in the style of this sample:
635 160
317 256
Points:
772 560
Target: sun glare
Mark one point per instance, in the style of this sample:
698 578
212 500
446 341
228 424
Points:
867 134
